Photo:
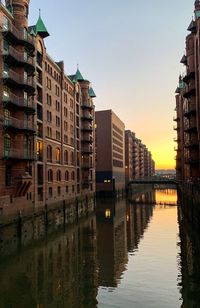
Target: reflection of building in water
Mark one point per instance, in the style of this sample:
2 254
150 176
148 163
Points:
61 274
143 194
190 264
111 242
138 217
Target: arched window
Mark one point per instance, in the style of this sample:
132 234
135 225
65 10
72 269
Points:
67 176
66 158
49 153
50 175
72 176
58 175
57 155
72 158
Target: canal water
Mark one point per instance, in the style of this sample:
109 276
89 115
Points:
130 253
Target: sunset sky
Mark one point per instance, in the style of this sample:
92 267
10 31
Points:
130 51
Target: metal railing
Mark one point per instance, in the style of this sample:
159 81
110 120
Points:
19 154
19 56
19 101
19 34
19 124
20 79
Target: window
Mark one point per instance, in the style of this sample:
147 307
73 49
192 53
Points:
58 156
67 189
7 145
71 116
65 126
57 106
71 103
66 159
50 192
67 176
72 176
58 135
8 176
50 176
57 121
5 23
49 116
72 158
59 190
49 99
58 176
65 112
49 153
49 132
65 139
71 129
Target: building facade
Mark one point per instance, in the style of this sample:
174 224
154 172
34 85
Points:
138 159
188 106
47 119
110 153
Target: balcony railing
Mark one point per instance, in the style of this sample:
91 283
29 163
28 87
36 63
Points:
86 105
18 124
19 56
87 117
87 150
191 109
190 126
20 35
18 78
87 165
87 127
87 139
18 101
19 154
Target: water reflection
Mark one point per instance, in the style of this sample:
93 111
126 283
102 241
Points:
124 256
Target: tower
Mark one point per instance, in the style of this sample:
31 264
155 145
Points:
20 9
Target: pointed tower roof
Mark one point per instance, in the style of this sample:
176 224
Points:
91 92
40 28
79 76
184 60
192 26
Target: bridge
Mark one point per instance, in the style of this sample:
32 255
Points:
154 180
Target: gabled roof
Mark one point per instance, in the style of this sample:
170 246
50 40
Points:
92 93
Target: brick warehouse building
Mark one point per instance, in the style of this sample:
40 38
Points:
46 119
188 106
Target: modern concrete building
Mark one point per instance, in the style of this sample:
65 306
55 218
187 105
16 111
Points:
110 153
138 159
188 106
47 119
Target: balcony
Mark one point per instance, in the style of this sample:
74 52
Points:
189 90
191 160
87 139
86 105
12 34
12 78
176 118
13 57
86 150
190 74
87 117
16 102
19 155
191 143
17 125
176 127
191 110
87 165
190 127
87 128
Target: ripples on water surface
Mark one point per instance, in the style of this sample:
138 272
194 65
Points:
127 255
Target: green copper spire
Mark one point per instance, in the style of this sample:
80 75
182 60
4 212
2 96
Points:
78 76
40 27
92 93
